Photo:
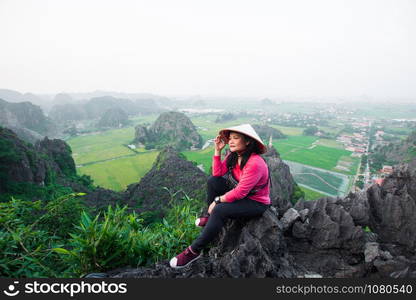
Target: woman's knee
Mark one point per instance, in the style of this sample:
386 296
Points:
215 180
220 210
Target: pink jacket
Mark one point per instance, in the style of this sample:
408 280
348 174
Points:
254 175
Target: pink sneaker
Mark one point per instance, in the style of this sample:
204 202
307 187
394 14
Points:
201 222
184 259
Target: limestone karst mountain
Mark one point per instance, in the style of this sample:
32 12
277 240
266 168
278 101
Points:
170 173
114 118
26 119
170 129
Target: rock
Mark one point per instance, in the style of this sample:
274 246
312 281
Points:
371 251
283 184
170 173
327 242
356 204
370 237
385 268
386 255
393 208
26 120
114 118
290 216
60 153
304 214
330 225
172 129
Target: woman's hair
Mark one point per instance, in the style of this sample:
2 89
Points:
252 147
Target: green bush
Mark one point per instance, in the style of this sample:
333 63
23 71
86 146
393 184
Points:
120 239
39 238
27 237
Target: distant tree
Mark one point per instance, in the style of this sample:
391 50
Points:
311 130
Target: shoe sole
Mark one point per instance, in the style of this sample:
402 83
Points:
197 224
191 261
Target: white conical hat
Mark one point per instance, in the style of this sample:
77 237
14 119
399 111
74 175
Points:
245 129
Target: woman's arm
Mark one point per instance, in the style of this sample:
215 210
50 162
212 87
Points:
219 168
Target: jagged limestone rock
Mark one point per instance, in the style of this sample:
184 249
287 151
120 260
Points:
172 171
170 129
245 248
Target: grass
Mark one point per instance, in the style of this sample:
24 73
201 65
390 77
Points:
330 143
101 146
119 173
311 194
289 130
203 157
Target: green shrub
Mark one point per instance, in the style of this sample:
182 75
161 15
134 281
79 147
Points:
120 239
26 240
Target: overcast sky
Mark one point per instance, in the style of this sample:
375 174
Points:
259 48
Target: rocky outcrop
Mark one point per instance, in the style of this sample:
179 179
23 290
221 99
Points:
114 118
245 248
393 207
170 174
96 107
172 129
282 182
25 118
24 163
356 204
324 238
18 161
64 112
60 154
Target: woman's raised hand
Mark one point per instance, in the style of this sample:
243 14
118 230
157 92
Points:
219 143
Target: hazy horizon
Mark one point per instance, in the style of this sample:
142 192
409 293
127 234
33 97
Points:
253 49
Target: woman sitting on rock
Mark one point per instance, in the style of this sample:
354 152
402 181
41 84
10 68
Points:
238 188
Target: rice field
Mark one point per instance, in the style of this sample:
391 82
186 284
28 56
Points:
311 194
326 182
101 146
117 174
308 150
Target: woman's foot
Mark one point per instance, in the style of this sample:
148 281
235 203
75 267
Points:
184 259
202 221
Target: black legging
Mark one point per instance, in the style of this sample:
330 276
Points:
245 207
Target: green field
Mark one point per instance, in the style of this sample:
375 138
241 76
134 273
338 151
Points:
101 146
307 150
119 173
327 182
311 194
330 143
289 130
203 157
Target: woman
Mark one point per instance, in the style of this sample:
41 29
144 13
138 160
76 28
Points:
238 188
